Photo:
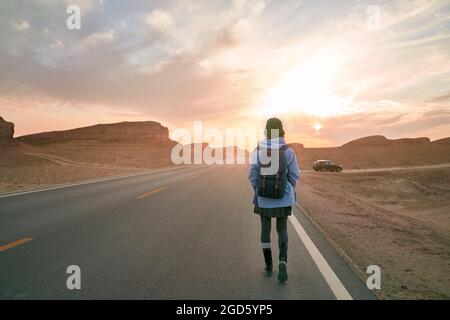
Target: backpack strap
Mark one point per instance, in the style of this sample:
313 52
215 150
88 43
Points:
284 147
257 155
277 176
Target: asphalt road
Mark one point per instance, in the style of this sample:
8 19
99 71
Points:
185 233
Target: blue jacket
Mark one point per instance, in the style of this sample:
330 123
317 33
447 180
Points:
289 197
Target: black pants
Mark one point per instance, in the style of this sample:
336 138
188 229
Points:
266 226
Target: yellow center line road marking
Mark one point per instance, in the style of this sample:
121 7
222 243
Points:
151 192
14 244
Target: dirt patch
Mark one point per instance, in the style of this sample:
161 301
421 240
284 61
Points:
398 220
26 167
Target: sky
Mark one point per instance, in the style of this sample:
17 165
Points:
331 70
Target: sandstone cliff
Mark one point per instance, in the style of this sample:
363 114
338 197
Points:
380 152
376 141
6 132
124 132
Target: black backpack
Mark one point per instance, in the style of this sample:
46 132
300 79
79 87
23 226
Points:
273 186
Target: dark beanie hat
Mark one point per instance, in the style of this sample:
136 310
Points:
274 124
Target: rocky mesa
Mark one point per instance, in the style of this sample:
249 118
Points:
6 132
148 132
58 157
380 152
382 141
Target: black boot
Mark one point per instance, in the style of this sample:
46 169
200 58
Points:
282 272
268 259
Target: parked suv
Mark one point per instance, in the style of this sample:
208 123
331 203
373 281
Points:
326 165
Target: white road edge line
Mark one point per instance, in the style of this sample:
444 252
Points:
91 181
330 276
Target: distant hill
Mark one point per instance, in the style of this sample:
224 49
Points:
6 132
49 158
377 141
147 144
124 132
445 141
379 152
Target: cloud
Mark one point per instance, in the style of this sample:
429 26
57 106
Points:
22 25
58 44
214 60
160 21
259 7
441 98
97 38
85 5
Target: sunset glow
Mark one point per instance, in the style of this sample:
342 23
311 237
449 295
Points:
317 127
306 88
230 64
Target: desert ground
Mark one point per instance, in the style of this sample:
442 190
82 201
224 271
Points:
396 219
24 167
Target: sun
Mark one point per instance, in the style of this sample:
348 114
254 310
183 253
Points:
317 127
306 88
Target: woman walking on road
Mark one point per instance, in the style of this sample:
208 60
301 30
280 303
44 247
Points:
274 191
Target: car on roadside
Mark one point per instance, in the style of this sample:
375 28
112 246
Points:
327 165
